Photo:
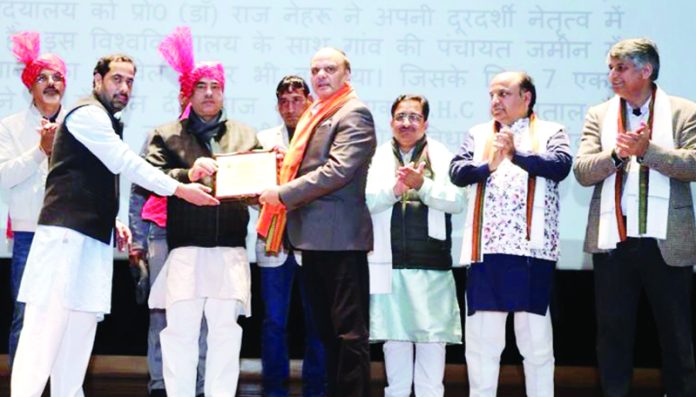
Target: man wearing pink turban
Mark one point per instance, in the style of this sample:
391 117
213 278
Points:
26 141
207 270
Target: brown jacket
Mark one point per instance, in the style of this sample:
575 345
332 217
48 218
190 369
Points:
174 150
593 164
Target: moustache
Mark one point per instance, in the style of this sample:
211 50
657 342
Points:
50 91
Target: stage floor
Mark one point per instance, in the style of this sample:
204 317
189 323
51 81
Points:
122 376
104 386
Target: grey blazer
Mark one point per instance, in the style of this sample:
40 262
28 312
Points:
326 202
593 164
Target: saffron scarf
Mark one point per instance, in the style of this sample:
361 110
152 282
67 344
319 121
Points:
272 219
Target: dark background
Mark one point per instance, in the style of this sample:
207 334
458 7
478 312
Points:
124 331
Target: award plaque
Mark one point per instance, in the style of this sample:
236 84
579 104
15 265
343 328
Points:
241 175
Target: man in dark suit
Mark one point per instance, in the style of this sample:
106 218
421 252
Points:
638 150
323 190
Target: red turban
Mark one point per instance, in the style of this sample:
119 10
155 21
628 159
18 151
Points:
25 47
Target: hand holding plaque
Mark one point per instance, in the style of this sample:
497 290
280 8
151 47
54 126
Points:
241 175
202 167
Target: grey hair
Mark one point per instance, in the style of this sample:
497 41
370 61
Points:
640 51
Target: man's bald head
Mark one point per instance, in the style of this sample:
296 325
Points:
333 52
512 96
330 71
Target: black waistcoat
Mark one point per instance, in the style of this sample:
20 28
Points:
81 193
224 225
412 248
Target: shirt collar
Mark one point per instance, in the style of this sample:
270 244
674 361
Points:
520 125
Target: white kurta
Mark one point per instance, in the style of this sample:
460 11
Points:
415 305
198 272
61 253
23 167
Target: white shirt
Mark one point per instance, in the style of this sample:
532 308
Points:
23 167
633 123
59 253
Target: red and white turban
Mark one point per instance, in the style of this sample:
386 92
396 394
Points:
25 47
177 50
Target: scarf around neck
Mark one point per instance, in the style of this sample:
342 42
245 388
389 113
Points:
205 131
273 218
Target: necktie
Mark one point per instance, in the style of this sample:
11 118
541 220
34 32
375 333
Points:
636 112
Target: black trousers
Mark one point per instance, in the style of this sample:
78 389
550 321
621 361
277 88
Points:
338 289
619 278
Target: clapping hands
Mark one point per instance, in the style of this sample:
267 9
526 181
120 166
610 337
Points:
408 177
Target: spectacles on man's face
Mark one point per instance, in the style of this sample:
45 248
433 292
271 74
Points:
44 77
413 118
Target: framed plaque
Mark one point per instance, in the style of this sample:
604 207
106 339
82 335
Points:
245 174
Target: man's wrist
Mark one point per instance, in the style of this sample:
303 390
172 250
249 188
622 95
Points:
641 158
618 160
42 150
419 184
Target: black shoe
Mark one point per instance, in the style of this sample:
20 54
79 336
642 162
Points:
158 393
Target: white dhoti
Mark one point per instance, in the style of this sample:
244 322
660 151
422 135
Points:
426 374
67 289
180 347
56 342
194 282
485 341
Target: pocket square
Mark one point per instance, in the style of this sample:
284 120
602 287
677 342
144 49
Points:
325 124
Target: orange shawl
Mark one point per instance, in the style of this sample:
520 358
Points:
272 219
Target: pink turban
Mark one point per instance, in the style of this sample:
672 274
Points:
177 50
25 47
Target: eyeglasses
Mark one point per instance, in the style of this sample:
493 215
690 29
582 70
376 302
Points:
44 77
413 118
